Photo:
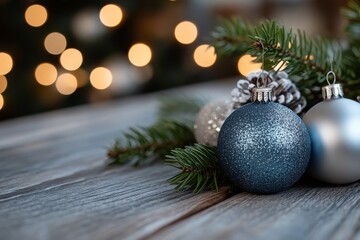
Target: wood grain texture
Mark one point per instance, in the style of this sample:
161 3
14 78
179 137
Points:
307 211
59 150
121 203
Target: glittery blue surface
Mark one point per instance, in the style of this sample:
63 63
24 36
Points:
264 147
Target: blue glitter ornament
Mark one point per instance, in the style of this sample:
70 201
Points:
263 147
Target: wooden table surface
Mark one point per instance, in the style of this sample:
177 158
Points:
54 184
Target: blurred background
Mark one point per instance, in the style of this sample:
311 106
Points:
55 54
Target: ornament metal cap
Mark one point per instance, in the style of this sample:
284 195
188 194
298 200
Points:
332 91
262 94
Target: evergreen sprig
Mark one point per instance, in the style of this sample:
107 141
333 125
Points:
352 14
231 36
306 59
174 129
352 53
199 167
302 57
147 144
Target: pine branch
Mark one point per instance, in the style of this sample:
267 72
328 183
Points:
199 168
301 53
147 144
231 36
352 14
352 53
306 58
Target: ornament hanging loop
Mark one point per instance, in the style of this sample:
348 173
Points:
262 55
334 76
264 77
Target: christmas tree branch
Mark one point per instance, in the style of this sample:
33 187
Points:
147 144
173 129
302 57
352 14
352 53
308 59
305 59
199 168
231 36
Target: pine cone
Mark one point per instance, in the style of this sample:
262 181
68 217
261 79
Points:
285 91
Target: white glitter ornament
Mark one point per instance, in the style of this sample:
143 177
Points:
210 119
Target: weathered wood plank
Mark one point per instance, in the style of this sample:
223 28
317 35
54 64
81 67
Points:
62 154
121 203
42 148
307 211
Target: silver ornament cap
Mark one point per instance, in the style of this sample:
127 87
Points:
262 94
332 91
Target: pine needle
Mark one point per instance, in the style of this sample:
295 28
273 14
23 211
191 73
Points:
231 36
199 167
147 144
174 129
307 59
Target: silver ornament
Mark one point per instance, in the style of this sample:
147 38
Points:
210 119
334 126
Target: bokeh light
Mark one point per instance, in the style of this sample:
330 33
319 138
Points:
310 57
86 25
55 43
111 15
6 63
1 101
71 59
36 15
3 83
66 83
101 78
204 55
127 78
140 54
246 65
46 74
186 32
